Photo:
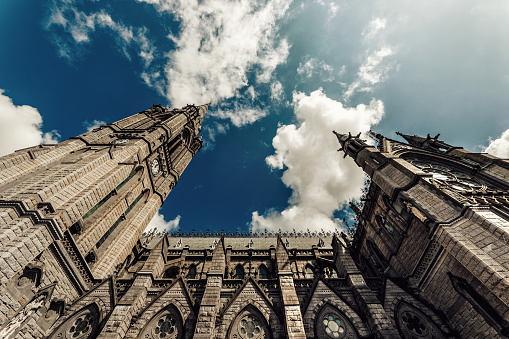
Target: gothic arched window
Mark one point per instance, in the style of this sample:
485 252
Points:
331 323
82 325
385 224
309 272
262 272
166 324
239 272
191 272
380 262
412 323
249 324
480 304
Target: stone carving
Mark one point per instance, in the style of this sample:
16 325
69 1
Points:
82 325
166 324
330 323
249 324
412 323
9 330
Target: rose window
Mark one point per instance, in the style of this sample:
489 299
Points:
455 180
249 327
334 327
82 325
414 324
166 326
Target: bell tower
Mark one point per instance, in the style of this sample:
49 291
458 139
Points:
71 213
436 222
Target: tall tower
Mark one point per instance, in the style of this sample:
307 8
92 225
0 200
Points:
71 213
436 223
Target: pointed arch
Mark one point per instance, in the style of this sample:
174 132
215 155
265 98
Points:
249 324
309 272
83 324
263 273
191 272
412 323
332 323
167 324
239 272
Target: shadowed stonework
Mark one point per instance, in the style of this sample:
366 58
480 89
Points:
429 258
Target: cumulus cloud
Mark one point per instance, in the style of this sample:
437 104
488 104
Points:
162 225
20 127
93 125
500 147
219 43
321 179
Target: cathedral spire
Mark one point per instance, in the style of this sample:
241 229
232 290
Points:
428 142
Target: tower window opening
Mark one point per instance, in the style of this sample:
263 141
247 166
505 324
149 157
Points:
191 273
308 272
107 197
262 272
239 272
119 220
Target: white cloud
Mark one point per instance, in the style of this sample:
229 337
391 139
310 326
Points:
162 225
330 6
240 115
219 43
210 131
373 70
20 127
374 26
93 125
276 91
313 66
500 147
321 179
80 25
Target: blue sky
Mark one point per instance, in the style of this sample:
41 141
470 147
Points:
280 74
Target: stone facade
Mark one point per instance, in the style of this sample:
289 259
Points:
429 258
435 224
72 214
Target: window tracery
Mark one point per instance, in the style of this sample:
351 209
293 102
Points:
413 324
331 323
166 324
385 224
82 325
249 324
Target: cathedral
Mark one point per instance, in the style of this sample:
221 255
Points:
429 257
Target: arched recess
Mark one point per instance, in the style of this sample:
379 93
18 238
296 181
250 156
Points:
166 324
309 272
249 324
332 323
239 272
81 325
263 272
191 272
413 323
